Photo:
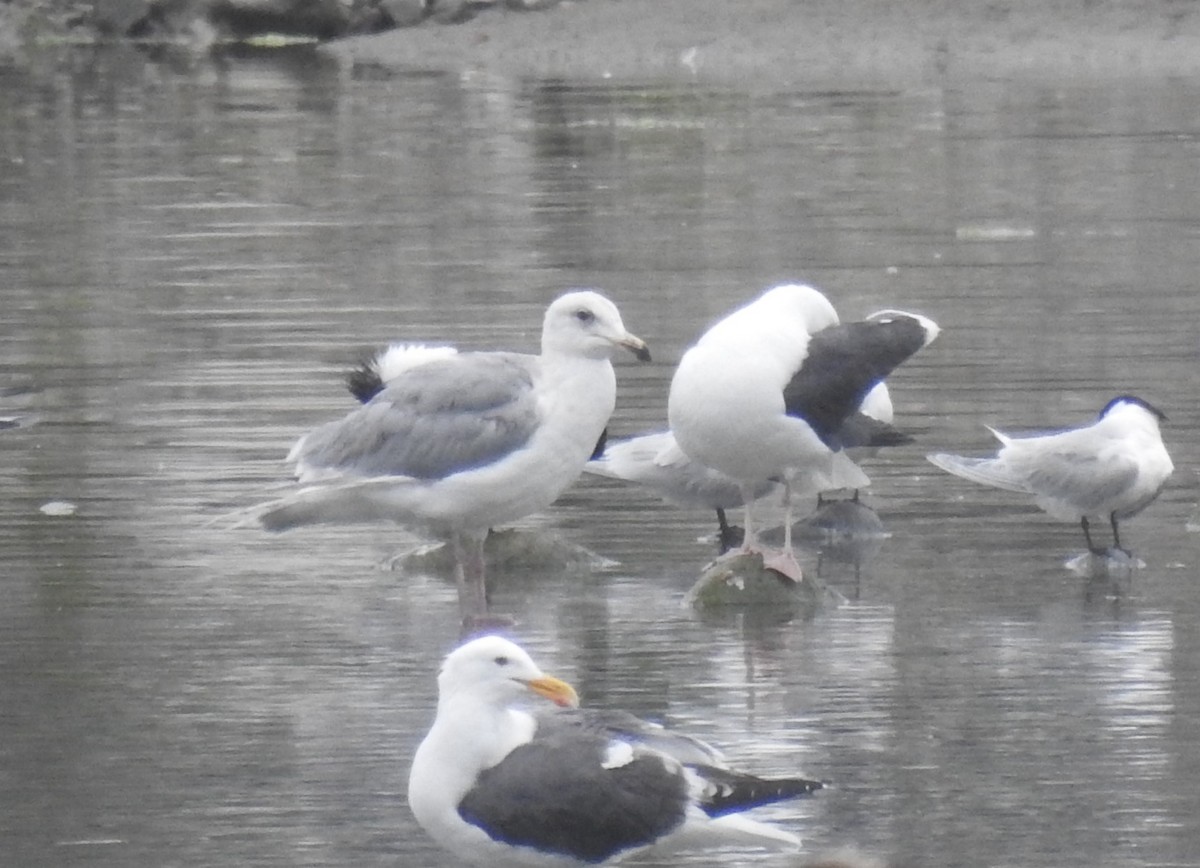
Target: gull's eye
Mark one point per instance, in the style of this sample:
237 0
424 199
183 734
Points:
501 660
585 316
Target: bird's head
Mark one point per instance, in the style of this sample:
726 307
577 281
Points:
585 323
500 672
1132 403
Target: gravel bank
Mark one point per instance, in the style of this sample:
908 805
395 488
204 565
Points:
773 43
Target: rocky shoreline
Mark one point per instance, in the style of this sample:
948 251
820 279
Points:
752 42
769 42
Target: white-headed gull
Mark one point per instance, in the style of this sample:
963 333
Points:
765 392
513 773
1111 468
462 441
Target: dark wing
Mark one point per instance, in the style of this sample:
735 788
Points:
598 450
728 792
861 430
843 363
443 417
556 794
364 381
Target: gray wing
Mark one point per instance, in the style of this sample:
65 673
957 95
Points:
656 461
1079 477
441 418
623 726
1065 467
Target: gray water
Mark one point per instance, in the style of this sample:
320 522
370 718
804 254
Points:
193 253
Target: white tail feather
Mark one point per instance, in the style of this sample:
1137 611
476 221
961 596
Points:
985 471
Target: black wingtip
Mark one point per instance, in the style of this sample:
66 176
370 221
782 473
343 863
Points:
598 449
733 791
364 381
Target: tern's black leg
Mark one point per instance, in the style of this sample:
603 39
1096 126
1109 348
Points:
728 536
1087 534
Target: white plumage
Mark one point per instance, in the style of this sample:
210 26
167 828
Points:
457 442
503 778
1111 469
655 462
764 394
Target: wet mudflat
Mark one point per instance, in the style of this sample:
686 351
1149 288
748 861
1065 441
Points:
193 255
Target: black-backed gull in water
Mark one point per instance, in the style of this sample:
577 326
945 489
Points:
503 778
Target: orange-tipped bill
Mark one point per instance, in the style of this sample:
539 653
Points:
558 692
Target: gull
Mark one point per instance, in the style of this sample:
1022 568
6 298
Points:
369 378
1112 468
457 442
512 772
764 395
655 461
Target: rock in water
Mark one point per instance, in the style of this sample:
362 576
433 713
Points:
739 579
510 550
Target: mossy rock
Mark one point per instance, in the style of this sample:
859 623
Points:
739 580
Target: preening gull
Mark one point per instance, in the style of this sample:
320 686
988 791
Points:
765 393
655 461
1112 468
504 779
457 442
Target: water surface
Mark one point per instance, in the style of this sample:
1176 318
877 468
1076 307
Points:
193 254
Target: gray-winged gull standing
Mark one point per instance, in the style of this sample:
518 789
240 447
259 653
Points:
1111 468
462 441
764 393
503 778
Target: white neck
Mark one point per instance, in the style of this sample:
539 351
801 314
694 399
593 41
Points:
467 737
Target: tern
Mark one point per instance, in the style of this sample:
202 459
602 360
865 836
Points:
1111 469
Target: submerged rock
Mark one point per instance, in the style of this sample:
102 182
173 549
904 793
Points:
509 551
739 579
835 519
